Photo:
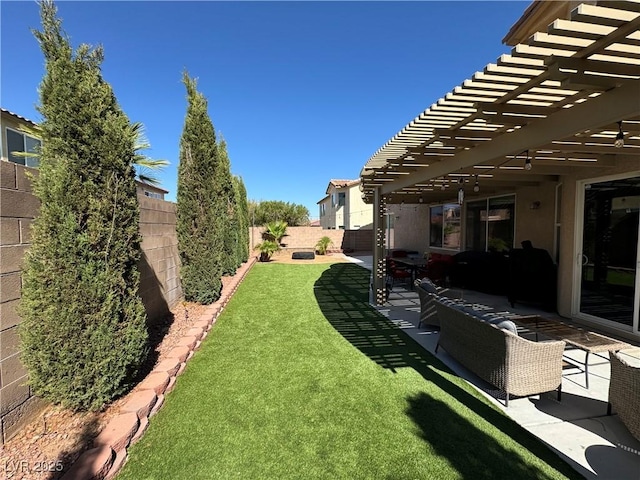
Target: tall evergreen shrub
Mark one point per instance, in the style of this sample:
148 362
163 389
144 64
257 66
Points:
199 210
83 331
243 216
226 195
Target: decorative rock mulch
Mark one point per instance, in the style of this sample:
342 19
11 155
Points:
110 452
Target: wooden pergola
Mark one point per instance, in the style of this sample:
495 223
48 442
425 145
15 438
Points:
558 101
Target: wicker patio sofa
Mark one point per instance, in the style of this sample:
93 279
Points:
513 364
624 393
426 289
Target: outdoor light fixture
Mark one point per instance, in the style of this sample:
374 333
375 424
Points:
619 143
421 200
476 186
442 187
460 192
527 162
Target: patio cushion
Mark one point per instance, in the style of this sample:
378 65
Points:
477 309
427 285
504 324
472 311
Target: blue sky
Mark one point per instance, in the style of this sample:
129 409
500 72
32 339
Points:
301 91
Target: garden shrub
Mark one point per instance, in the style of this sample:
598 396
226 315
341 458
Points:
200 210
83 326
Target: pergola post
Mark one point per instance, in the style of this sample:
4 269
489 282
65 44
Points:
379 267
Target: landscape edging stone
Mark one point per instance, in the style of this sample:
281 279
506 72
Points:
105 460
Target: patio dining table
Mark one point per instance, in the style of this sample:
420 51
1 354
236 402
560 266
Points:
413 264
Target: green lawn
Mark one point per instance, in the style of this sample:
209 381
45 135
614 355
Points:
301 379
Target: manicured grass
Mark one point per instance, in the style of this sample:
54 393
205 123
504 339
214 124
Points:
300 378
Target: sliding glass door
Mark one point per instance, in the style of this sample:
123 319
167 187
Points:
609 262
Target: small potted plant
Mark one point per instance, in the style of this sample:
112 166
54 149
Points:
323 245
267 249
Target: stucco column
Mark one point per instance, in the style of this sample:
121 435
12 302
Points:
379 266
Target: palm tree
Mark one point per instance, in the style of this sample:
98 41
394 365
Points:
323 245
267 249
275 231
142 163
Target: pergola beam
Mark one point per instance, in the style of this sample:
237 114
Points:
610 107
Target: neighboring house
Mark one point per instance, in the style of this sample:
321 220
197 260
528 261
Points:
13 139
150 191
343 207
542 145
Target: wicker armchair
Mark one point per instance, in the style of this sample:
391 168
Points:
624 393
513 364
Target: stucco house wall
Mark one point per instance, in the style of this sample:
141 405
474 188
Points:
355 214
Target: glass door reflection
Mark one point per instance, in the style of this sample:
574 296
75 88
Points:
610 250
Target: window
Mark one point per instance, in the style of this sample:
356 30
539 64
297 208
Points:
150 194
444 226
323 209
490 224
339 199
20 142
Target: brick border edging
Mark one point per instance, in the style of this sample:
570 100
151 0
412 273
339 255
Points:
109 452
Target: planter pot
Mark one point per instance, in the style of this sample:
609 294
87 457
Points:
264 257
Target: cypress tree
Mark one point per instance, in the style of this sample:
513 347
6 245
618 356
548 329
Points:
226 195
199 211
243 220
83 332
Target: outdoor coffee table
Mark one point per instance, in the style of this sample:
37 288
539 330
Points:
576 337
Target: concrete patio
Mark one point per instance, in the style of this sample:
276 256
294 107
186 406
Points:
578 428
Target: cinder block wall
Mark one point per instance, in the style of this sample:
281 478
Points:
18 208
306 238
160 286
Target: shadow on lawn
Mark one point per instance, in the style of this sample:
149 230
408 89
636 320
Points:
342 293
446 430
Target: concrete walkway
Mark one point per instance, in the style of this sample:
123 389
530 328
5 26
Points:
578 428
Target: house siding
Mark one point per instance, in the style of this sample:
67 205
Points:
355 214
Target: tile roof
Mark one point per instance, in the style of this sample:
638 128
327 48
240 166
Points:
15 115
